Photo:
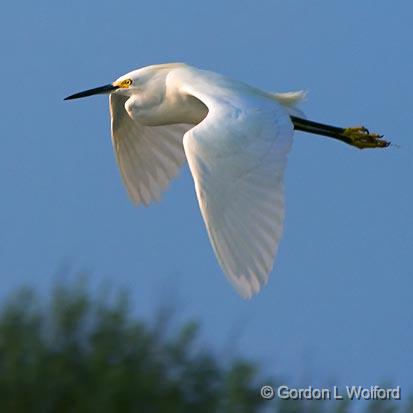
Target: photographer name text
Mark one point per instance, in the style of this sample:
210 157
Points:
334 393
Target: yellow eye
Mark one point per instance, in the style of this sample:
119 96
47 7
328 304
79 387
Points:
125 83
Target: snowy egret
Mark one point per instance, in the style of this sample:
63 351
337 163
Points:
236 139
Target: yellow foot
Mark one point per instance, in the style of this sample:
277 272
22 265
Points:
360 137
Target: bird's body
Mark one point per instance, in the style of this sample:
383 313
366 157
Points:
235 138
164 99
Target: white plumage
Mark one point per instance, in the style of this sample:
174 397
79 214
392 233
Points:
236 139
237 156
148 156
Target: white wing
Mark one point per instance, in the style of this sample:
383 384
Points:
148 156
237 156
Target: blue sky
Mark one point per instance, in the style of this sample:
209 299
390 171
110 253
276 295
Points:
338 305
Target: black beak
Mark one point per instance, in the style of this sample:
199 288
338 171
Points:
96 91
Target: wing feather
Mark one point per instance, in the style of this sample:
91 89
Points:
149 157
237 156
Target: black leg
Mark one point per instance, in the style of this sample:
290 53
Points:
358 136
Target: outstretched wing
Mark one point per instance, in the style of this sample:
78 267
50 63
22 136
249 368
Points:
148 156
237 156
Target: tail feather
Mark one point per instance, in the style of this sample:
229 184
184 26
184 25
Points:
290 100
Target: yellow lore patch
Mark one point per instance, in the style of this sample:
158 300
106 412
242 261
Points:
124 84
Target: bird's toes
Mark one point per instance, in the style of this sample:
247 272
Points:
360 137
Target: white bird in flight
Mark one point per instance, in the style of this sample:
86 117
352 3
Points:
235 138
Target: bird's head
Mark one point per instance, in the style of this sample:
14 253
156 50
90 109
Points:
132 82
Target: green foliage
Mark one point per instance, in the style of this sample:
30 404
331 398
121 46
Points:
77 352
